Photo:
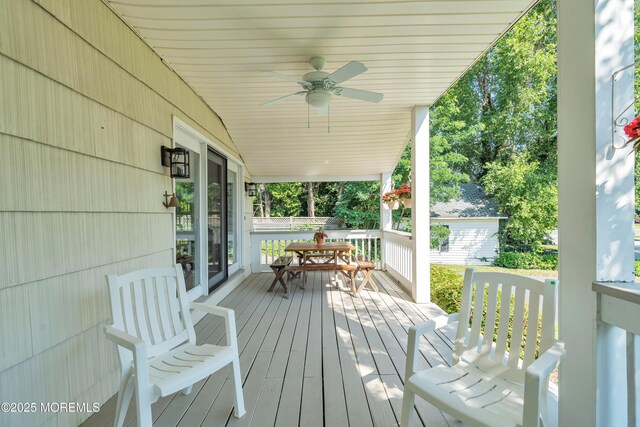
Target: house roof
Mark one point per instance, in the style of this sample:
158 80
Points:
414 51
472 203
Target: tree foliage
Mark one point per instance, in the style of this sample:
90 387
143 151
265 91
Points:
528 196
359 205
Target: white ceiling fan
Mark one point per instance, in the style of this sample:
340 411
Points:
320 86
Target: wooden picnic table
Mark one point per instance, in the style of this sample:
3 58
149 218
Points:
327 256
333 252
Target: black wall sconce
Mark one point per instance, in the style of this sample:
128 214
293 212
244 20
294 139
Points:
177 159
251 189
173 203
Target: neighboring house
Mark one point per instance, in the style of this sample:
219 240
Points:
473 221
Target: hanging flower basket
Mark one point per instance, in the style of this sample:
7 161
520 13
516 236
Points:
632 129
391 199
407 203
393 204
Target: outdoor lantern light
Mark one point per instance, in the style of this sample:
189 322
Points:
250 188
177 159
173 203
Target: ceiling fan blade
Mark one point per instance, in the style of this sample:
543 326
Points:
363 95
347 72
275 101
285 77
322 111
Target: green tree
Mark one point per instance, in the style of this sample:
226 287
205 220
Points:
507 100
286 198
528 196
359 206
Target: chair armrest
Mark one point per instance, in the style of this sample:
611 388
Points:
433 324
415 332
226 313
123 339
536 382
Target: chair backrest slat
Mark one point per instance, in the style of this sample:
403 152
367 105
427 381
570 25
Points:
503 333
476 319
163 307
127 313
152 311
174 306
490 323
516 331
152 305
507 307
465 310
532 329
549 315
141 314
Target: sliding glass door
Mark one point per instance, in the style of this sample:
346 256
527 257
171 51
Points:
216 219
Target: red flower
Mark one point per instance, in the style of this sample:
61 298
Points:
632 129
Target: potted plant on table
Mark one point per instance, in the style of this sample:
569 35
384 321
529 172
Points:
319 236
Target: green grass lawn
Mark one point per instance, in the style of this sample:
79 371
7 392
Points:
539 273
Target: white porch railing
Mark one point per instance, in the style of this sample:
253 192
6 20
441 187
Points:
390 250
618 315
266 246
397 255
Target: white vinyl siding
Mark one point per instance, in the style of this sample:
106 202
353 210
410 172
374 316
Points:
85 107
469 240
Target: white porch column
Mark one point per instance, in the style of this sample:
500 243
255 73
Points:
386 221
595 187
420 203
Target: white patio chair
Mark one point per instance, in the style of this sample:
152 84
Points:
156 341
487 385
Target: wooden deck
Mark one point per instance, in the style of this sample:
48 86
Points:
319 358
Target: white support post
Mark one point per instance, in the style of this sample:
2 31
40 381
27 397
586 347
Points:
420 204
595 221
386 219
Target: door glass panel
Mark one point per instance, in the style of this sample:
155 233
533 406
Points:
187 236
216 219
232 180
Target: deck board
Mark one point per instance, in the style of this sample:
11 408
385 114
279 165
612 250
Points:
319 358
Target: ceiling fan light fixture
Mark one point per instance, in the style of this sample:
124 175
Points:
318 98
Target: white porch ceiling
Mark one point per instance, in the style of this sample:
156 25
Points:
414 51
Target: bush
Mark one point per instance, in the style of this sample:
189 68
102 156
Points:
446 288
637 263
527 260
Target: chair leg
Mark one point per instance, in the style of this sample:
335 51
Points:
408 414
143 408
187 390
124 397
239 410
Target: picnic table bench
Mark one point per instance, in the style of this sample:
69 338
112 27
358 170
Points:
279 267
367 267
